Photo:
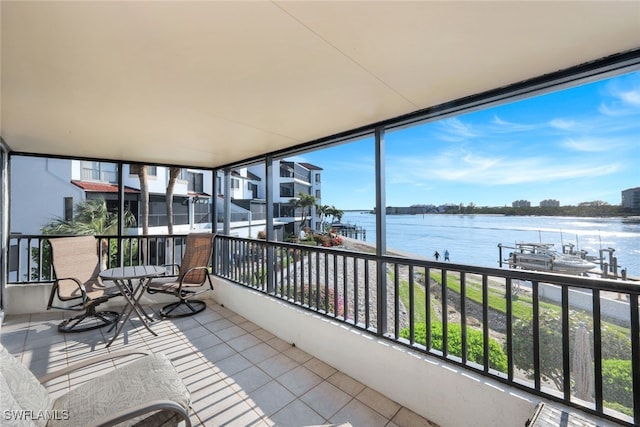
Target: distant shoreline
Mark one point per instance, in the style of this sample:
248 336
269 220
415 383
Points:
569 211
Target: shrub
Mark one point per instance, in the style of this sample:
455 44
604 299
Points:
618 407
615 344
475 343
327 240
617 386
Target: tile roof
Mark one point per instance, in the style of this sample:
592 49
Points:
310 166
101 187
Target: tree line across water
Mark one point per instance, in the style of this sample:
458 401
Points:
582 210
588 209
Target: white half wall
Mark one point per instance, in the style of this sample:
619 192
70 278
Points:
33 298
437 391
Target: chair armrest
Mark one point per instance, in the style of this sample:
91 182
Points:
194 269
157 405
79 284
88 362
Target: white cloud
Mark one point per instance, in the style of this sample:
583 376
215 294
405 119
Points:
631 97
562 124
587 144
493 171
600 144
455 129
519 171
610 110
623 100
505 126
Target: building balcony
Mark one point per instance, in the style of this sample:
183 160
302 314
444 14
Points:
276 357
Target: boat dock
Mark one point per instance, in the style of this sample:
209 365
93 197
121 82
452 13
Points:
537 256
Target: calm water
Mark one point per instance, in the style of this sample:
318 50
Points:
473 239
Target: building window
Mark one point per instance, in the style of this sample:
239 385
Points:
294 170
253 190
98 171
158 211
235 183
318 194
68 208
317 177
300 188
286 189
202 211
195 182
286 170
151 170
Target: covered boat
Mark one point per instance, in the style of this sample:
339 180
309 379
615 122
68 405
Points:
543 257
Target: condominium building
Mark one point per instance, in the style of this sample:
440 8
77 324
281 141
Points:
631 198
60 184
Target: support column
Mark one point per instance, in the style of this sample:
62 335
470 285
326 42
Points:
120 216
226 228
271 257
215 190
381 232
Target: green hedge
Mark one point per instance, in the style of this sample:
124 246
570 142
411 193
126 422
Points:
616 382
475 343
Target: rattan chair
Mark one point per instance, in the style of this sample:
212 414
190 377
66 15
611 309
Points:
76 267
192 280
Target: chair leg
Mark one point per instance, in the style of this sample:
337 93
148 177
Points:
94 320
187 308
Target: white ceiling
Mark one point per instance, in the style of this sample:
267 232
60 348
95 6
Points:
207 83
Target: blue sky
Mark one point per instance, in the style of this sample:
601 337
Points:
576 145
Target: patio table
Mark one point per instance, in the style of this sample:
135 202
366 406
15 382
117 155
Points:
132 283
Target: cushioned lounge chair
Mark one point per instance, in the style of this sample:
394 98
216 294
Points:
145 392
76 267
192 279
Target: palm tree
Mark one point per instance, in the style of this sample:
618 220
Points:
173 176
144 199
323 212
303 201
335 213
91 218
144 209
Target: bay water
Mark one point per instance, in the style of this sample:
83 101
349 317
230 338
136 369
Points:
474 239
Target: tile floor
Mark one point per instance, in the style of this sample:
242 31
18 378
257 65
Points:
238 373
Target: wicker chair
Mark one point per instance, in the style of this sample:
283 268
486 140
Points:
146 392
192 279
76 267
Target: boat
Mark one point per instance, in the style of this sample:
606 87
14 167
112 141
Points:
544 257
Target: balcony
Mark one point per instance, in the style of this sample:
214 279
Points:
272 344
308 75
237 372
